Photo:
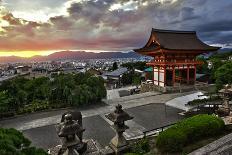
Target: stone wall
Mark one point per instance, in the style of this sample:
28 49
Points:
174 89
148 87
222 146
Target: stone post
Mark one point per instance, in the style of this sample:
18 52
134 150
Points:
119 142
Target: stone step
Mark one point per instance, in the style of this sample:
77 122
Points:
131 97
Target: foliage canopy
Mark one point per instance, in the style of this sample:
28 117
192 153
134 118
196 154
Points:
186 131
12 142
22 95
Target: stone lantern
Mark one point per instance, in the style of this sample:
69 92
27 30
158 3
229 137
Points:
225 94
68 131
118 117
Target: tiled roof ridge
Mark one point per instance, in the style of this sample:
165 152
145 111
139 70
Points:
172 31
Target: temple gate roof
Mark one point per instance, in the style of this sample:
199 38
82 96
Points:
175 40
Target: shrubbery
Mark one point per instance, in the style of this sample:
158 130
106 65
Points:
187 131
140 148
22 95
12 142
223 74
204 100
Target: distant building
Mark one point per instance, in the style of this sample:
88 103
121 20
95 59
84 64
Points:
115 76
94 71
23 69
174 54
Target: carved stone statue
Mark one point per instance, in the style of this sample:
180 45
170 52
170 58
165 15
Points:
68 131
119 143
76 115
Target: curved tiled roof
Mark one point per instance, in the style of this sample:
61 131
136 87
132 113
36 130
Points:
175 40
117 72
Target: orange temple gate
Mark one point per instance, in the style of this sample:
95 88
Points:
174 55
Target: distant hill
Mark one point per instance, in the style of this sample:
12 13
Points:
74 55
11 59
225 50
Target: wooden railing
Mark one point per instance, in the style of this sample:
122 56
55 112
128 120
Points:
153 131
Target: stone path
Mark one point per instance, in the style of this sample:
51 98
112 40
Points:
114 93
180 102
131 97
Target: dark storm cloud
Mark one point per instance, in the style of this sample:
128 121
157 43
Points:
187 13
223 25
95 25
93 11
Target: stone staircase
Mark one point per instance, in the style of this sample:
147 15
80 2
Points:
131 97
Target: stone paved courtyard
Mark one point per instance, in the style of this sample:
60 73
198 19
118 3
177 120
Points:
145 118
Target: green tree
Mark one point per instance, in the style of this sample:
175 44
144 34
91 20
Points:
5 102
223 75
202 69
115 66
221 56
12 142
81 95
23 95
67 94
216 64
140 65
127 78
136 80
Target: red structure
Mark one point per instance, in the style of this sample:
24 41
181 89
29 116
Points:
174 55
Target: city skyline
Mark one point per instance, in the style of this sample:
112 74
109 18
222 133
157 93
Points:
29 28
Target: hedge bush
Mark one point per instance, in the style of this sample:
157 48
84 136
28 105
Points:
204 100
12 142
187 131
141 147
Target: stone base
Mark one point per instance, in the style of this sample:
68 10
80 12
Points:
119 150
90 148
119 141
107 151
222 111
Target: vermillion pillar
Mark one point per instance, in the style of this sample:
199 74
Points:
173 75
164 76
153 74
188 74
158 75
195 72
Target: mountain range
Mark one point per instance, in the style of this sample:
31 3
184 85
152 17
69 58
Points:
74 55
79 55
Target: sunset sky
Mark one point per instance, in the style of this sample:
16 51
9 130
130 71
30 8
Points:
41 27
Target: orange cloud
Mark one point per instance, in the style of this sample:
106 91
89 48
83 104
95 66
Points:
25 54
